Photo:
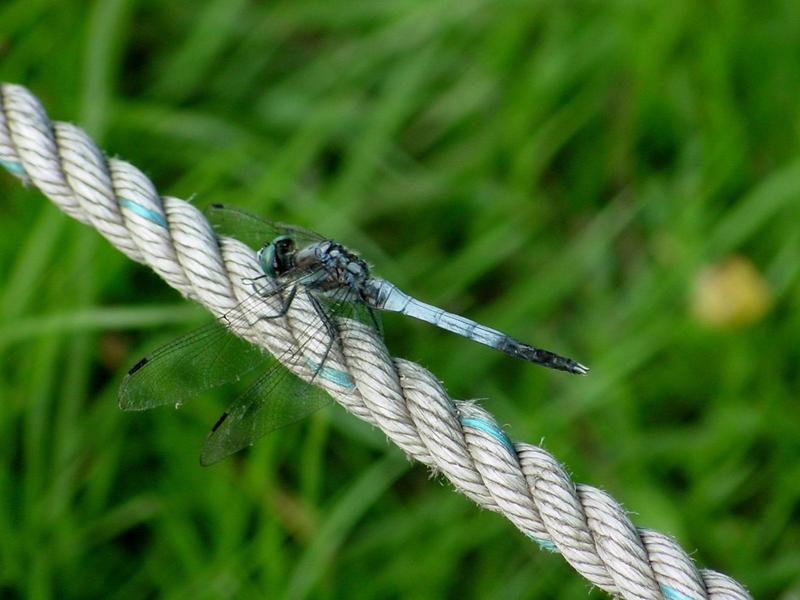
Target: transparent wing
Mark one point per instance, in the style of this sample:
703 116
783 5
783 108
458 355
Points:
206 357
254 230
278 398
200 360
209 356
355 310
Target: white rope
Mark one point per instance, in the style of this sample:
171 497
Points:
458 439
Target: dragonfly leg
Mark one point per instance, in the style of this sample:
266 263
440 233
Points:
251 281
286 304
331 327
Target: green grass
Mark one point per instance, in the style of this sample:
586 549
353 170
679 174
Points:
563 171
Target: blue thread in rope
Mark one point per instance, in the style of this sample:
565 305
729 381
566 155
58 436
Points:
492 429
673 594
497 433
143 211
333 375
544 544
12 167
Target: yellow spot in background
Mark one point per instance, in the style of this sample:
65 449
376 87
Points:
730 294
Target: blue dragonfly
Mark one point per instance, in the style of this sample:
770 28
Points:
338 285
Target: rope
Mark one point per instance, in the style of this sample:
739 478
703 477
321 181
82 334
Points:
455 438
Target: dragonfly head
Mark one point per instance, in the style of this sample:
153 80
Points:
277 257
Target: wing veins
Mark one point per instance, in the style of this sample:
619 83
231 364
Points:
238 426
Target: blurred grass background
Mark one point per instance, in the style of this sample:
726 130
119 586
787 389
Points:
617 181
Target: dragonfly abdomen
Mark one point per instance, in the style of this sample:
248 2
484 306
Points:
386 296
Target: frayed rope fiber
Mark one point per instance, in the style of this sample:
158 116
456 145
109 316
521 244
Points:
455 438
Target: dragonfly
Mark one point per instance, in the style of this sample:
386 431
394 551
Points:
337 285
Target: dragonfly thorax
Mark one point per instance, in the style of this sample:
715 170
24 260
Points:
325 265
339 267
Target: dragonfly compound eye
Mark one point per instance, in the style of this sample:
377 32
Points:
283 254
266 259
277 257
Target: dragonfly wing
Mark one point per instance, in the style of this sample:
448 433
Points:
276 399
343 306
204 358
254 230
357 311
195 362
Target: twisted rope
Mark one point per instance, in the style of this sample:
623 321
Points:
458 439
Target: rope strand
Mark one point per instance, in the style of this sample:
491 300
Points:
455 438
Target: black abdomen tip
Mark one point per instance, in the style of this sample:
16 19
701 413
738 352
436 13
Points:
545 358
